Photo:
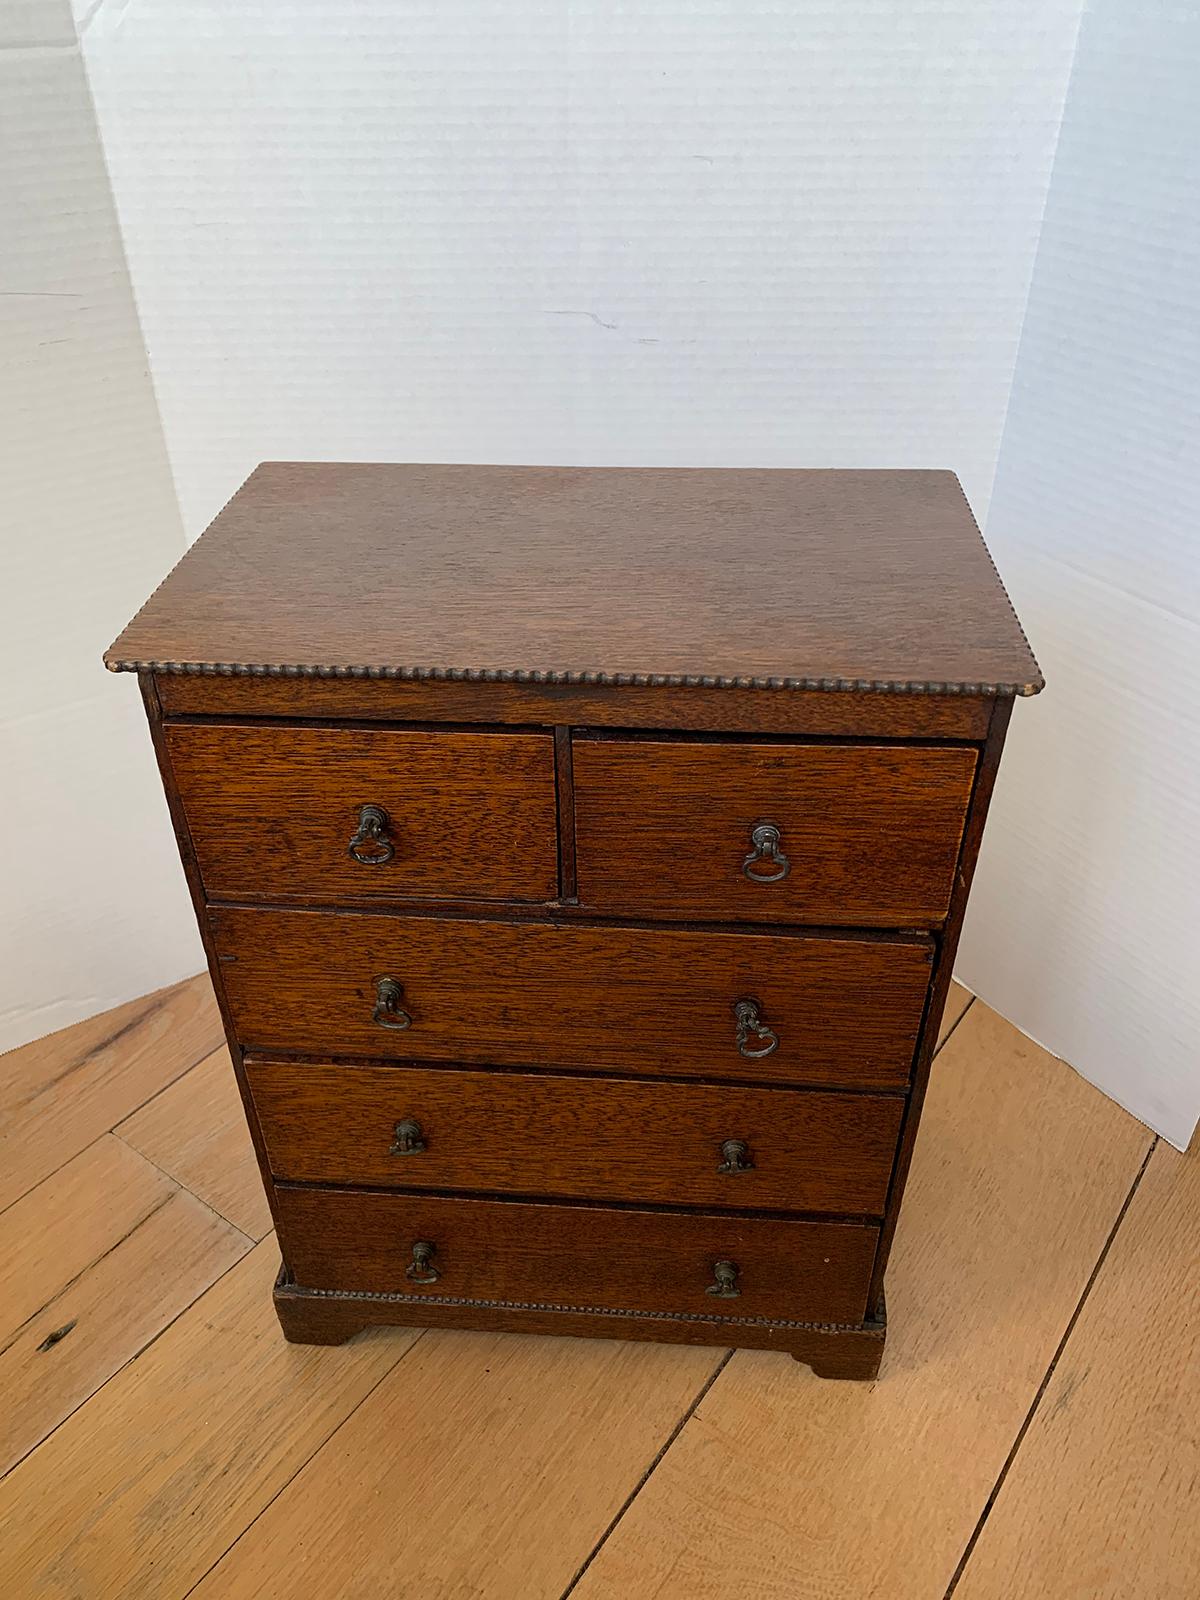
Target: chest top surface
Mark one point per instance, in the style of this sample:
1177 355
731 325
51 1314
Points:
817 579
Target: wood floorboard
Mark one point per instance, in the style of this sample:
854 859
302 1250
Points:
195 1130
782 1485
486 1464
60 1093
71 1220
1102 1501
85 1286
143 1489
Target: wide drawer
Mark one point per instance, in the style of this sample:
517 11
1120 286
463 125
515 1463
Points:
584 1256
337 813
648 1001
862 835
588 1138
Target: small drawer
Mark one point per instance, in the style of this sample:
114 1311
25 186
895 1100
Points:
585 1138
351 813
856 835
781 1008
576 1256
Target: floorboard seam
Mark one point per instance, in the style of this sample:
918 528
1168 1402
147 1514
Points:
952 1029
329 1437
158 1093
198 1198
124 1117
648 1474
969 1550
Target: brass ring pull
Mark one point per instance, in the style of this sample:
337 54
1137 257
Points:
408 1138
764 838
370 845
735 1156
724 1284
389 1013
750 1025
421 1268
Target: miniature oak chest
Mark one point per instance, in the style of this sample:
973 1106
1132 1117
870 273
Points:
580 857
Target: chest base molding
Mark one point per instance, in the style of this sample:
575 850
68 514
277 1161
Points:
332 1316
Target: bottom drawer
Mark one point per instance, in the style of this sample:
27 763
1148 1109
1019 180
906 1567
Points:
537 1254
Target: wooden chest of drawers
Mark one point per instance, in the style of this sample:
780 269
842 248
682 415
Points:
580 857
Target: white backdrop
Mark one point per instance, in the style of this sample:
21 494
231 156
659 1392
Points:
1084 924
662 231
728 232
92 908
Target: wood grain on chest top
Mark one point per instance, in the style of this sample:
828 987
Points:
822 578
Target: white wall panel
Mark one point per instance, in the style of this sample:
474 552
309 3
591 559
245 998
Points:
723 232
92 904
1083 927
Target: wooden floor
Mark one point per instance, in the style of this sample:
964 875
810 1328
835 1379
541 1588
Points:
1035 1431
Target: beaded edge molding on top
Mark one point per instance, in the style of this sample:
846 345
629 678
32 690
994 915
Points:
587 679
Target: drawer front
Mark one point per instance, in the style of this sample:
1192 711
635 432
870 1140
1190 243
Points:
858 835
581 1256
587 1138
277 812
647 1001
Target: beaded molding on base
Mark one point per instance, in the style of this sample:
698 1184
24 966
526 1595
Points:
870 1330
586 679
